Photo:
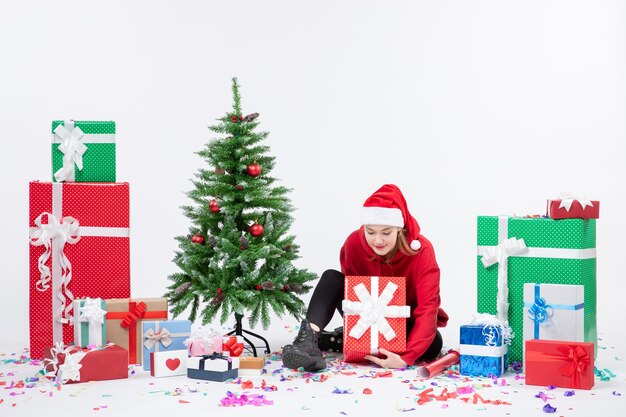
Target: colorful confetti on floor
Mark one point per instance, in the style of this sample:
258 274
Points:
342 389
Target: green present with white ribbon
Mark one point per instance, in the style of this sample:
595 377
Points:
90 322
513 251
83 151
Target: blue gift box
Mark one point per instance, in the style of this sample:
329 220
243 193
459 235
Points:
482 351
160 336
214 367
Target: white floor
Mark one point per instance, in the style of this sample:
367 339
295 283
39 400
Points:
336 392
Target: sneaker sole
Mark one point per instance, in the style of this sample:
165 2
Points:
294 360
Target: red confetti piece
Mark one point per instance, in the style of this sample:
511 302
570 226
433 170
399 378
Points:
183 402
383 374
367 391
247 385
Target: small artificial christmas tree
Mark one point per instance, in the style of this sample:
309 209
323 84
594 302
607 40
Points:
238 255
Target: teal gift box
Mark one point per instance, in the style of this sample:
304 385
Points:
83 151
90 326
556 252
161 336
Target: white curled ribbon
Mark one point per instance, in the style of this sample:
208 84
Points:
70 369
493 327
152 338
374 311
58 233
500 254
73 149
567 200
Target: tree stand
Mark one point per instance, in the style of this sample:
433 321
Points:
239 331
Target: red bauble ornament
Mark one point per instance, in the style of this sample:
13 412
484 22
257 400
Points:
197 238
240 117
239 187
234 119
254 169
256 230
214 206
219 291
259 287
285 288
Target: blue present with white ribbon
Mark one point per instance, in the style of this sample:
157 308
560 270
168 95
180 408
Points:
160 336
554 312
483 350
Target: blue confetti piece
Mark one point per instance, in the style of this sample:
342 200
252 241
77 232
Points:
617 394
549 409
569 393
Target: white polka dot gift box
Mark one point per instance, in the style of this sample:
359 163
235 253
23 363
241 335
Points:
83 151
79 247
374 314
513 251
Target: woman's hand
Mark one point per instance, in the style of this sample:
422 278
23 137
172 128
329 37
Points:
393 360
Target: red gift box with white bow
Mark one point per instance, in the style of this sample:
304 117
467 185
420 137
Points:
573 208
374 314
560 363
79 247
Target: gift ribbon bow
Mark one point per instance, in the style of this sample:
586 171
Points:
540 312
233 346
214 356
73 149
92 312
152 338
67 230
134 314
500 254
374 310
70 369
493 328
567 200
575 359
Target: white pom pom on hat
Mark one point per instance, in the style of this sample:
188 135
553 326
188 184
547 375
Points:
388 207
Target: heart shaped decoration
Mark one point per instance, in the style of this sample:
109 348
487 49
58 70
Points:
172 364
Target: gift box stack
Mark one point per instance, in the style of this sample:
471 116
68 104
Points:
542 271
80 315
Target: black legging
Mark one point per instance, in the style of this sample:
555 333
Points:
327 298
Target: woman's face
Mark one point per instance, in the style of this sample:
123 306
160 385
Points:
382 239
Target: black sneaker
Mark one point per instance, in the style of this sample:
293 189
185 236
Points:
332 341
304 352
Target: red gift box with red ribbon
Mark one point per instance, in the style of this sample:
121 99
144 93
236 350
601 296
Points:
560 363
124 318
79 247
573 208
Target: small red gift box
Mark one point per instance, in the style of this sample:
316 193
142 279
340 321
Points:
374 316
79 247
74 364
573 208
559 363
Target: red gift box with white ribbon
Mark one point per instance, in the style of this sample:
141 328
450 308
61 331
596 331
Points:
79 247
374 314
568 207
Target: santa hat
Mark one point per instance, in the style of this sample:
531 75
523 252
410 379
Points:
387 206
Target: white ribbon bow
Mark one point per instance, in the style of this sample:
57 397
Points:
92 312
70 369
492 328
153 338
567 200
73 149
500 254
374 310
64 231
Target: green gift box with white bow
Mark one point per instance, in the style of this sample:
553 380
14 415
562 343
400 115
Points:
90 322
83 151
513 251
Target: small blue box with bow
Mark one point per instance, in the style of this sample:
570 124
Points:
483 351
160 336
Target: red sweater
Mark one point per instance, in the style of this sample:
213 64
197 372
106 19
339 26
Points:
422 286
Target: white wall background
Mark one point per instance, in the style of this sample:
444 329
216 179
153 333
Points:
481 107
